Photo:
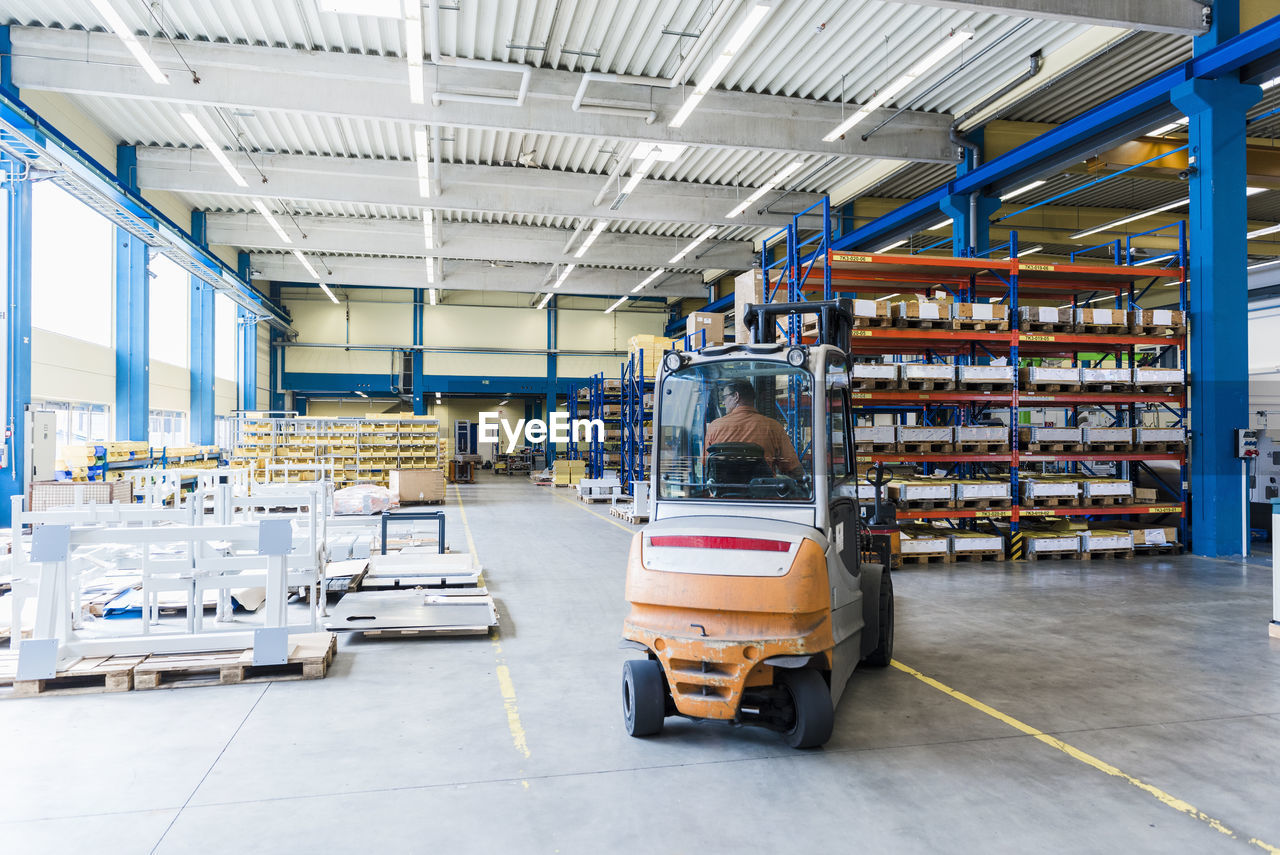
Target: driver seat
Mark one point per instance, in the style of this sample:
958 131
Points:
736 463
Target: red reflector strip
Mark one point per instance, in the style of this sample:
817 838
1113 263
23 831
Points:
696 541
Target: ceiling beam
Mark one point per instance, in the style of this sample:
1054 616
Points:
357 86
474 241
467 276
1184 17
465 187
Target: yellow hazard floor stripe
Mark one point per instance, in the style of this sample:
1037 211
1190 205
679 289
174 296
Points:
583 506
1088 759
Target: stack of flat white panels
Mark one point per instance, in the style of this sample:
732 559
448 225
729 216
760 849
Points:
982 434
925 434
1040 488
921 491
1054 434
1108 436
877 435
1111 376
917 544
973 542
873 371
982 490
1146 376
1107 487
1059 376
986 373
1097 541
927 371
1148 435
1044 542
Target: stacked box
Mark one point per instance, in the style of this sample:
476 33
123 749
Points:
1157 318
712 323
925 434
416 485
1147 436
927 371
1044 314
652 347
1048 487
1108 436
990 490
748 289
1147 376
1102 318
1036 375
1153 535
870 309
1096 487
1105 539
922 542
1043 542
875 435
985 374
921 310
1055 435
972 541
979 311
983 434
921 491
873 371
568 472
1106 376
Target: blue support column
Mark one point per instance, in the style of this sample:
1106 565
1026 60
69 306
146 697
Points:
275 356
1218 299
553 322
964 217
133 319
17 330
202 381
419 379
247 340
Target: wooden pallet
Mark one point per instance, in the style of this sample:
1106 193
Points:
1162 447
1102 329
1048 388
923 385
1049 502
1106 387
965 504
923 504
89 675
309 659
926 447
627 514
1162 549
1160 389
982 447
1055 556
1098 554
1051 447
1104 501
924 558
923 323
877 322
591 500
986 385
1157 330
862 445
1108 447
1045 327
872 384
979 326
979 555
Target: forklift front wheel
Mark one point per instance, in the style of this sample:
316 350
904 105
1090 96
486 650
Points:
811 698
644 696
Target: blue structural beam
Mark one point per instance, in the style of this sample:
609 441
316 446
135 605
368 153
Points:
553 334
677 325
321 384
1218 298
247 341
1117 120
17 331
202 366
274 357
133 321
419 392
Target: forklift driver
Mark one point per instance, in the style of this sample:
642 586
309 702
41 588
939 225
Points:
743 423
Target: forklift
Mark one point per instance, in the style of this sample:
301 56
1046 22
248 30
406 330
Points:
750 593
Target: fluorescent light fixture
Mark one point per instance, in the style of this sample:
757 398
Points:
1263 231
422 154
1169 128
591 238
437 396
948 46
662 152
777 179
261 208
564 274
413 48
122 31
1129 219
652 276
307 264
1025 188
1267 84
637 175
327 292
621 300
722 62
431 271
361 394
1153 259
693 244
545 299
503 401
206 140
372 8
1024 252
936 226
431 295
1262 264
893 245
429 229
887 297
1254 191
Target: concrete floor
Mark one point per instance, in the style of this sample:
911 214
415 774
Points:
1161 668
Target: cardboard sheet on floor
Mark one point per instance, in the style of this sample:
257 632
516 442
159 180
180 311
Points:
426 612
421 570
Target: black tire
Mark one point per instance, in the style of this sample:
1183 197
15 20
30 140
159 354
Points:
644 697
811 698
883 654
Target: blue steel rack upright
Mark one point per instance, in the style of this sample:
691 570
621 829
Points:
637 420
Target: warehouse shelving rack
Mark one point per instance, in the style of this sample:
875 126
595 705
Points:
826 275
637 419
578 397
605 404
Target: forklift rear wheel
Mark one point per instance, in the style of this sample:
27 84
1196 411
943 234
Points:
811 699
644 696
883 654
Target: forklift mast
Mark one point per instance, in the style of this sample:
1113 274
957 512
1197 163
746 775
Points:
835 320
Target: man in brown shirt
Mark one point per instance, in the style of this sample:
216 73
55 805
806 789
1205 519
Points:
743 423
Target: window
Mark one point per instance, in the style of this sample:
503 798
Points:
170 318
224 337
736 429
72 267
78 423
837 448
168 428
223 431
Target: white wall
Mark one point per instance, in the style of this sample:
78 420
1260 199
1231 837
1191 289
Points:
264 367
327 323
1264 363
170 387
68 369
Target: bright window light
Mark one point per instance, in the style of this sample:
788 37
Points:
413 48
568 268
621 300
755 15
1254 191
1268 84
1153 259
638 173
949 45
693 244
225 327
206 140
1025 188
591 238
431 271
71 294
371 8
297 253
1256 233
262 209
777 179
167 304
118 26
652 276
422 154
1129 219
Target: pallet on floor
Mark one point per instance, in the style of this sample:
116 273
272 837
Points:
594 499
1159 549
1055 556
628 513
309 659
978 555
925 558
88 675
1103 554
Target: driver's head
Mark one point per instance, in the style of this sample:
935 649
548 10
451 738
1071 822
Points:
736 393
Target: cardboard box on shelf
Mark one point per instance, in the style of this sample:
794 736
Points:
711 323
747 288
1102 317
980 311
922 310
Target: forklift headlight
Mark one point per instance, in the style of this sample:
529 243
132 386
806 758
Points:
797 357
673 361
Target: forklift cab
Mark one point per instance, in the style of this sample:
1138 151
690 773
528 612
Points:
747 589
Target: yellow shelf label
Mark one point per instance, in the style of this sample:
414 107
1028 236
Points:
860 332
1045 267
1165 509
1039 338
993 513
1037 512
846 256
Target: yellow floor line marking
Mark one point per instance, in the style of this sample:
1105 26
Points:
582 506
518 736
1088 759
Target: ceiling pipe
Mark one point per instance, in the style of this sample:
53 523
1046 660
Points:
437 98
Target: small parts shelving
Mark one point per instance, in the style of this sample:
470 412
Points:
802 273
604 402
637 419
